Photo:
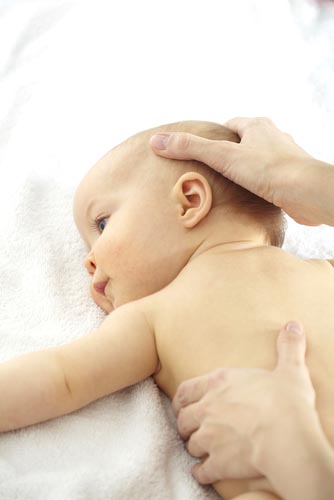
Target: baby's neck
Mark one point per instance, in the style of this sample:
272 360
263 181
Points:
226 232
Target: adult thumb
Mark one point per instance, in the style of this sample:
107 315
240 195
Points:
185 146
291 345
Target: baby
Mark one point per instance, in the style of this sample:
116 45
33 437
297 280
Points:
189 266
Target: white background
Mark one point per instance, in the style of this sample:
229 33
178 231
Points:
76 78
79 77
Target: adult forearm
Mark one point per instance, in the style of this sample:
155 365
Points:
310 192
321 189
32 389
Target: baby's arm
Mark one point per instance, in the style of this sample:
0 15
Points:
257 495
46 384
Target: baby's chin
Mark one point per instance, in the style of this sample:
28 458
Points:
107 307
110 304
102 301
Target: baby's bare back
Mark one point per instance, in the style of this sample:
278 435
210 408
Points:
225 310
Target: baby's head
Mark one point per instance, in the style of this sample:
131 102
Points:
143 216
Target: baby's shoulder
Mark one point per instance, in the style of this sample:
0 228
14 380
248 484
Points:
153 305
326 265
331 262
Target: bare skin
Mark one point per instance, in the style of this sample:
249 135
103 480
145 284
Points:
189 287
267 162
245 422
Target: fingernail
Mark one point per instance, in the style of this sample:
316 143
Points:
294 327
159 141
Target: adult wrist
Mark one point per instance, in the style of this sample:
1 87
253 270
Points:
321 188
273 440
307 193
311 477
297 459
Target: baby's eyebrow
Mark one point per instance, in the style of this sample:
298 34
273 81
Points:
89 207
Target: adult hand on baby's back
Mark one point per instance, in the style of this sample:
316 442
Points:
236 419
267 162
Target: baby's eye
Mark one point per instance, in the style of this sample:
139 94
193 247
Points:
101 224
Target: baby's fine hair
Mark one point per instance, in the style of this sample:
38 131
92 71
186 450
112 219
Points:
224 191
267 216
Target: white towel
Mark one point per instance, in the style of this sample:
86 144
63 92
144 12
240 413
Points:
123 446
71 88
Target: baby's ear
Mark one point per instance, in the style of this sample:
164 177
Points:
193 196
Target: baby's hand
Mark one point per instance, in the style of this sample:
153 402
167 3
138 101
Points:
236 419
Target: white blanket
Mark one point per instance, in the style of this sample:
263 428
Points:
77 77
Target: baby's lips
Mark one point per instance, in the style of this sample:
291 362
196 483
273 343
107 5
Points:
100 286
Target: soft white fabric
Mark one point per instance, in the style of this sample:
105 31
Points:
77 77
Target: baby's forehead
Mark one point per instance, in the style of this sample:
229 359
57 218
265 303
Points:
115 167
132 151
118 163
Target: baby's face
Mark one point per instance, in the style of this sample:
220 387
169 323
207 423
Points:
129 224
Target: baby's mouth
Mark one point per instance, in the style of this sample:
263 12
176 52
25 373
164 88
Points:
100 286
109 297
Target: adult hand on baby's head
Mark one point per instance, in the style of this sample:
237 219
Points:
267 162
234 418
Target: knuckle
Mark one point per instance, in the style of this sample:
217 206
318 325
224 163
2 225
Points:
181 394
293 338
265 120
183 141
201 476
180 418
217 155
206 436
192 443
189 445
200 410
181 421
222 374
218 376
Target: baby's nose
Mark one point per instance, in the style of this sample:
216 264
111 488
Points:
90 264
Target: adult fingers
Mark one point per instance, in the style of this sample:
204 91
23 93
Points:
291 346
179 145
239 125
205 472
189 420
194 389
210 470
185 146
189 392
197 445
